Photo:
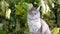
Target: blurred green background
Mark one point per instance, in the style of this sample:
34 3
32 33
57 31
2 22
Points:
13 15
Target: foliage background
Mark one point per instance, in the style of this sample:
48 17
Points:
17 23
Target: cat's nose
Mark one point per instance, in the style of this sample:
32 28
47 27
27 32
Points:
33 15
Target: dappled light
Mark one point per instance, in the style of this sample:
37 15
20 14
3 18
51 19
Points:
14 20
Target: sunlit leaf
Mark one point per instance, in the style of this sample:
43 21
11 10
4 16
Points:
55 30
8 12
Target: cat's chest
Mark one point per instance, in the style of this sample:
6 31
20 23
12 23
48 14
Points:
34 22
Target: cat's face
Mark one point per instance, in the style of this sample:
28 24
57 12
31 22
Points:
33 11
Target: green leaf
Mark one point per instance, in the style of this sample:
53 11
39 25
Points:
1 26
55 30
2 32
18 9
25 6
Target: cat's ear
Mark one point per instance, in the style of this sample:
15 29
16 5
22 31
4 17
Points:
30 6
38 8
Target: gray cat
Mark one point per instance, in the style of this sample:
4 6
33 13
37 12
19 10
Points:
35 23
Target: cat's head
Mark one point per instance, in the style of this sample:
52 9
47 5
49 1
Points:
33 11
